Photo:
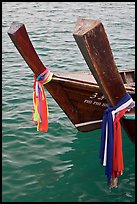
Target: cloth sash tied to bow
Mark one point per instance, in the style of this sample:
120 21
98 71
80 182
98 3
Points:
111 154
40 107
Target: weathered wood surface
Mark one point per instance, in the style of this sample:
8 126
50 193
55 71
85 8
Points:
92 40
93 43
19 37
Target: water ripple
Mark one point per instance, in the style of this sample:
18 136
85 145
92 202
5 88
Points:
62 164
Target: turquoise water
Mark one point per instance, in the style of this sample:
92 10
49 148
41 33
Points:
63 164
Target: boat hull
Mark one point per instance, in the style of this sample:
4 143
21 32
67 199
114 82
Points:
81 99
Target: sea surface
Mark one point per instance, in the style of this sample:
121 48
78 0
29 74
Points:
63 164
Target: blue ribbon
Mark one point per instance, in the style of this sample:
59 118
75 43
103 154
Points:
107 118
42 76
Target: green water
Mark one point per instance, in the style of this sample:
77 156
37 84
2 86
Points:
63 164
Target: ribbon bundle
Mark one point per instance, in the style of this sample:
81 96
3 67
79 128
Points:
40 107
111 154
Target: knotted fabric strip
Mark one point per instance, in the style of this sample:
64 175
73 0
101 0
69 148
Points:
111 153
40 106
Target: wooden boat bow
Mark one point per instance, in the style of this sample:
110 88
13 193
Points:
93 43
19 36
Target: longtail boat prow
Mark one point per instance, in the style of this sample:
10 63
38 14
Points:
93 43
83 96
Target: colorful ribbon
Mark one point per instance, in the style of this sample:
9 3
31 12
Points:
111 154
40 106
